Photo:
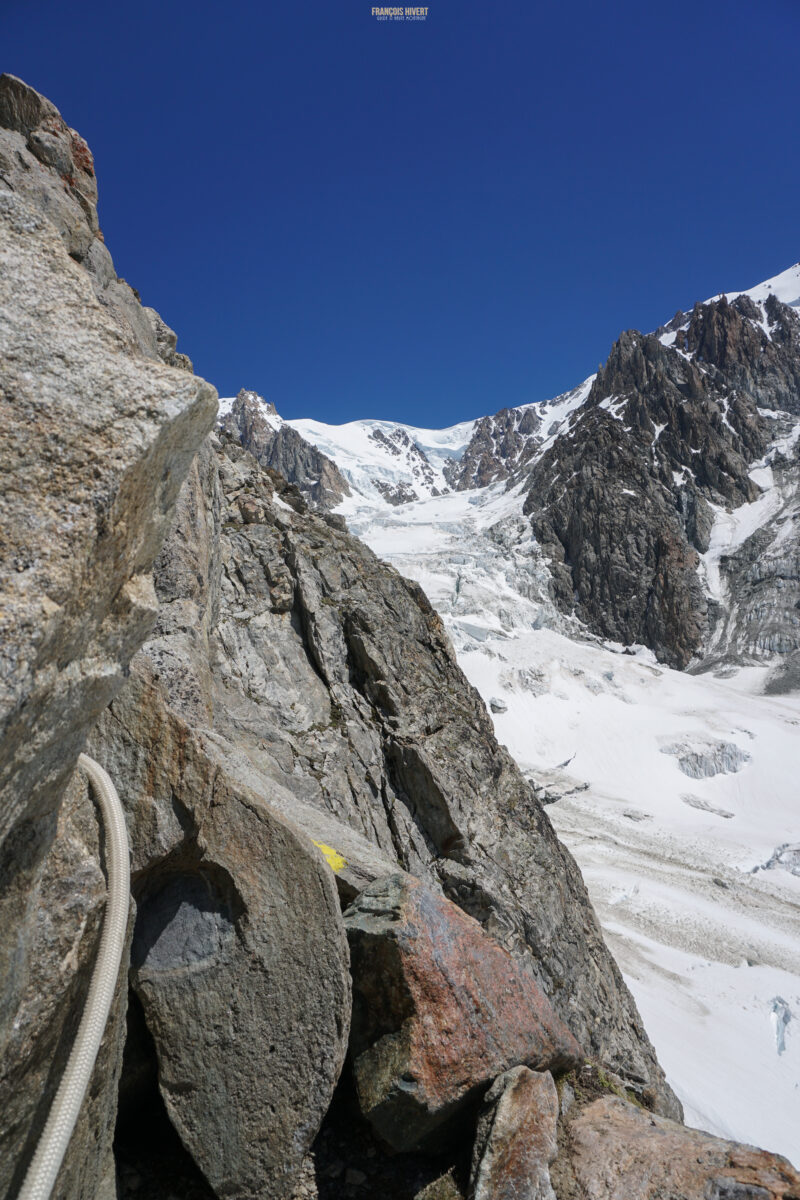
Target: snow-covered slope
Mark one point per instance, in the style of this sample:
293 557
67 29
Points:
784 287
388 462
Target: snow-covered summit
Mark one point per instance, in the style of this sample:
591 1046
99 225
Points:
386 461
784 287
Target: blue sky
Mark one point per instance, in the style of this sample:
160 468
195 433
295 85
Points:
429 220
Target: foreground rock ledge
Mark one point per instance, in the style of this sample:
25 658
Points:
439 1011
239 955
611 1150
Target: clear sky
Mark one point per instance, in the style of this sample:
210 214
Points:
425 220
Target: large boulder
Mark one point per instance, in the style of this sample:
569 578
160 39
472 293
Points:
239 956
613 1150
439 1010
516 1138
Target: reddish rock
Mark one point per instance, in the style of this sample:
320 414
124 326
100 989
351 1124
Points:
614 1151
439 1010
516 1138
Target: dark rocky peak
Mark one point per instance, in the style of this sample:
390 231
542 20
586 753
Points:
395 441
686 419
50 166
399 444
255 423
620 500
497 446
755 344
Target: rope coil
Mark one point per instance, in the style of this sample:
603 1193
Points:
66 1107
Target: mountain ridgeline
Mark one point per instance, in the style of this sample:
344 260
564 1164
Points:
359 961
622 479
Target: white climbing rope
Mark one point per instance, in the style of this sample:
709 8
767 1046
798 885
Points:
63 1115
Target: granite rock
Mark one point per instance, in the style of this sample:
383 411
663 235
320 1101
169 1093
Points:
439 1010
239 956
516 1138
612 1150
97 442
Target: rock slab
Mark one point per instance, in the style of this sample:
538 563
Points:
516 1138
612 1150
239 954
439 1010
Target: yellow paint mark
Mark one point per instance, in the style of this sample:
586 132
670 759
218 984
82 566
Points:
332 857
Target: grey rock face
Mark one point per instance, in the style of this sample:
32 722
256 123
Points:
166 341
516 1138
761 364
620 502
50 166
280 448
96 445
335 693
498 446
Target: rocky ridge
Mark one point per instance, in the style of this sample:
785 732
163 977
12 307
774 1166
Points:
621 503
498 446
294 729
278 447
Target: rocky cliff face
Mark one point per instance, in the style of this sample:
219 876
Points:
621 502
497 447
277 446
294 736
98 436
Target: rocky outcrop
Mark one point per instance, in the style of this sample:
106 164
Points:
516 1138
278 447
620 501
439 1010
497 447
399 445
97 442
337 694
307 677
754 347
611 1150
50 166
313 679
